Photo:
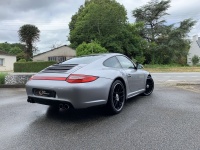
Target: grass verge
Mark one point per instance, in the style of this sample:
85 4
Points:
171 68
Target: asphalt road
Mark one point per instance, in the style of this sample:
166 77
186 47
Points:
173 78
168 119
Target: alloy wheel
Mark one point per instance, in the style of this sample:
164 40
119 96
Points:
118 96
149 86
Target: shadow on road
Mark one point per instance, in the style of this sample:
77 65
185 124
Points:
73 115
57 121
89 114
85 117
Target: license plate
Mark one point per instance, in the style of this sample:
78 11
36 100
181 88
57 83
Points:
44 93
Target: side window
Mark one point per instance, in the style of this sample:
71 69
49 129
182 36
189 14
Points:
112 62
125 62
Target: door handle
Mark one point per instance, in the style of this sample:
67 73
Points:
128 75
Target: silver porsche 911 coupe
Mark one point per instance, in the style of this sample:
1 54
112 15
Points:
81 82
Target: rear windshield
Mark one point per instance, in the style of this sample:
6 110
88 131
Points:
82 60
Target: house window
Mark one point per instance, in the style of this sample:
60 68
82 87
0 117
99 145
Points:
61 58
57 58
1 61
52 58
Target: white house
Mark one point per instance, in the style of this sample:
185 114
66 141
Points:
7 61
58 54
194 49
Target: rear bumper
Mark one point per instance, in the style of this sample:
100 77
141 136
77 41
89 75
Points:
51 102
81 95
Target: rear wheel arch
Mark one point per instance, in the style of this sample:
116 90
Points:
122 80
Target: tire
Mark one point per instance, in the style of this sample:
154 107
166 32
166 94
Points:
116 98
149 86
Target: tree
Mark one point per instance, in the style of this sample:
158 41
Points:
21 55
14 49
90 48
19 45
105 21
151 14
166 43
195 59
18 52
98 20
133 44
174 47
5 47
29 34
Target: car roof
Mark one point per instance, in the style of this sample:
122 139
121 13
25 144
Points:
103 54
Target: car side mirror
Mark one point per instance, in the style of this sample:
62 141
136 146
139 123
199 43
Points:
131 67
139 66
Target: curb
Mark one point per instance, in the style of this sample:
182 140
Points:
181 84
12 86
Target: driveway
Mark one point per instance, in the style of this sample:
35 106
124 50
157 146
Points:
168 119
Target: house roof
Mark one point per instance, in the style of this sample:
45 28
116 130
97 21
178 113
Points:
5 53
53 50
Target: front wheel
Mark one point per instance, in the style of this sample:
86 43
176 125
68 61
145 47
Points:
116 97
149 86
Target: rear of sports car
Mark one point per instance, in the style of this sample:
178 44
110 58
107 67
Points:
63 84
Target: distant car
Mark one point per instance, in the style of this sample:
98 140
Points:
81 82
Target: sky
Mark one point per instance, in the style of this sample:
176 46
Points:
53 16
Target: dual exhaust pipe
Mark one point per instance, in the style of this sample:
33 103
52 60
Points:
64 106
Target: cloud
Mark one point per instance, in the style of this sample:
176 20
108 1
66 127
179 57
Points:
130 5
52 17
178 11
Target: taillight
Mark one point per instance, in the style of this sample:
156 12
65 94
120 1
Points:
79 78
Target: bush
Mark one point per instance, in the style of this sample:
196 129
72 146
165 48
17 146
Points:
139 59
31 66
22 60
21 55
90 48
2 78
195 59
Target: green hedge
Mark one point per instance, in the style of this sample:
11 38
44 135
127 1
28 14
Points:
31 66
2 77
